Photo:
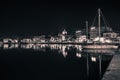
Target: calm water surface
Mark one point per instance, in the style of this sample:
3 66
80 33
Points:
52 62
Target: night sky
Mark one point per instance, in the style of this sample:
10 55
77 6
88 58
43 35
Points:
25 18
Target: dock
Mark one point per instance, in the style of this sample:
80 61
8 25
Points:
113 70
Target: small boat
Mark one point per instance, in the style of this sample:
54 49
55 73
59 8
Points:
99 45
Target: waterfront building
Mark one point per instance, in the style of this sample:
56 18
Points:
62 36
64 33
80 36
81 39
14 41
93 32
78 33
26 40
70 38
11 40
54 39
7 40
38 39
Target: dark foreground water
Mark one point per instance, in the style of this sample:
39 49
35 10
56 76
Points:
52 62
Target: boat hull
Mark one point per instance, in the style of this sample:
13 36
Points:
100 47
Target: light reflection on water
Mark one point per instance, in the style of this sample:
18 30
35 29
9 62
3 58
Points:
62 48
97 60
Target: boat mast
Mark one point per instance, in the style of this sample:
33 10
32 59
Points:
99 23
86 29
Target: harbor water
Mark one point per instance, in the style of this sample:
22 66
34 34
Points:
52 62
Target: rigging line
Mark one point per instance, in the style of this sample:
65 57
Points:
93 24
107 23
105 20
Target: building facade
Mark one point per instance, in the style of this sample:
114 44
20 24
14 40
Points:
93 32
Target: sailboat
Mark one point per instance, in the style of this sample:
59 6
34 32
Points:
99 45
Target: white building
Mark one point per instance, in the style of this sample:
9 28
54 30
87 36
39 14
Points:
26 40
63 35
7 40
38 39
81 38
64 32
52 39
14 41
78 33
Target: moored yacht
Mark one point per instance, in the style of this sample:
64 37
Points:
99 45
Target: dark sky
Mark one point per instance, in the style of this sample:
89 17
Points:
25 18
